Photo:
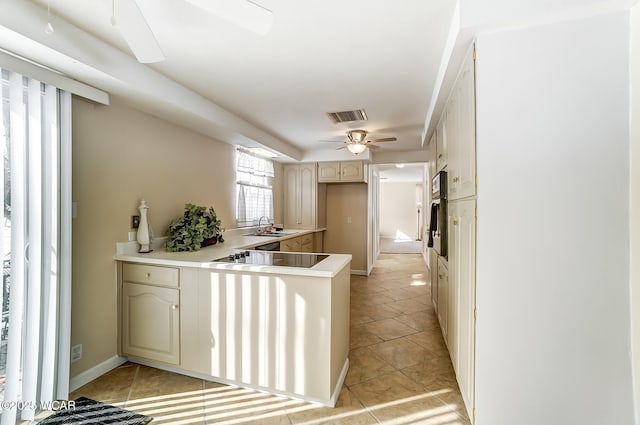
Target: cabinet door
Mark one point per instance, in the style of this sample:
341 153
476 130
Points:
442 142
443 290
151 322
467 125
290 245
307 196
462 143
352 171
433 271
328 172
464 255
291 189
306 243
453 142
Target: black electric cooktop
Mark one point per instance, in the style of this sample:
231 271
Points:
274 258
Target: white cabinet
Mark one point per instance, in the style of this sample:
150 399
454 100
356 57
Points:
290 245
462 260
150 313
462 134
443 297
345 171
328 172
302 243
433 270
300 196
441 143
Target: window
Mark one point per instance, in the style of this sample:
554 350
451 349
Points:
254 176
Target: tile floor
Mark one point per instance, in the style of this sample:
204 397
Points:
400 372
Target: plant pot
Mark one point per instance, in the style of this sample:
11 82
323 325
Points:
208 242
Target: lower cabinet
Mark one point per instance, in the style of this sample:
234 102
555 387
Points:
304 243
433 270
462 260
443 298
151 322
291 245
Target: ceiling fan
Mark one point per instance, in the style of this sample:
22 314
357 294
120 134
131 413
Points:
127 16
358 142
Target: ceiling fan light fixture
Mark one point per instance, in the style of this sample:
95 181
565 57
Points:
356 148
357 136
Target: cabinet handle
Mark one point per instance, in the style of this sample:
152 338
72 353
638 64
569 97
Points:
174 306
147 275
455 222
441 276
440 156
456 179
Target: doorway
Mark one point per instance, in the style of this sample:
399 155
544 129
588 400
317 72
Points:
401 217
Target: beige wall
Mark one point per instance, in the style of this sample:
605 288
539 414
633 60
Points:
347 200
119 156
398 210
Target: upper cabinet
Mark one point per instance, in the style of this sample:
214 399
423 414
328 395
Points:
441 143
345 171
300 196
461 134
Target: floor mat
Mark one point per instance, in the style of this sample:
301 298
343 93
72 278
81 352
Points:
89 411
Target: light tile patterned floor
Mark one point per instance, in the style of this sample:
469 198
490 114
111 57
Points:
400 372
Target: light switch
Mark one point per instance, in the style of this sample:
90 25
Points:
349 220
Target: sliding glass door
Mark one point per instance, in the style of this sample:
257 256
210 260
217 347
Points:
35 249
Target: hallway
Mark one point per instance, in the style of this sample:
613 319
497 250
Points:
400 372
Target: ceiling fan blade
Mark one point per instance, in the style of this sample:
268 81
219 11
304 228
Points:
386 139
136 31
243 13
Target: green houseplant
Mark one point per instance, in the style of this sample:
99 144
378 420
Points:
199 226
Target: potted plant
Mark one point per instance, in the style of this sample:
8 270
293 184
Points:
199 226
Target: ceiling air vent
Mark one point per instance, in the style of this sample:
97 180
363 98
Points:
348 116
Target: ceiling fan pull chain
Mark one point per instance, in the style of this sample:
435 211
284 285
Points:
113 13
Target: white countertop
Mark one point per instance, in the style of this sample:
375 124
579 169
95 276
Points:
234 241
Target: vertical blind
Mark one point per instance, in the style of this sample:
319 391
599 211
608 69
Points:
254 176
35 247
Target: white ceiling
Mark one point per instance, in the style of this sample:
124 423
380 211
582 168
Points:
388 57
320 56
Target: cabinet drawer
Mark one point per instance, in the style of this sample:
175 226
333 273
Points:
156 275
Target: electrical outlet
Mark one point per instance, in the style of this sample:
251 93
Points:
135 221
349 221
76 353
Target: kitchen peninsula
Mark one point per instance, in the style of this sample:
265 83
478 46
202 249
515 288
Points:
277 328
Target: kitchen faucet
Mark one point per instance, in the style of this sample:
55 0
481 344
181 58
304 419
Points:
259 231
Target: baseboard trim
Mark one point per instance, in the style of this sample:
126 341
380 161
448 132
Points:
339 384
331 402
359 272
95 372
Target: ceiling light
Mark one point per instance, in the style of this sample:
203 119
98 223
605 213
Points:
356 148
263 152
399 165
357 136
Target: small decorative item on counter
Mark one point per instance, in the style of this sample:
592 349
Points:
143 234
198 227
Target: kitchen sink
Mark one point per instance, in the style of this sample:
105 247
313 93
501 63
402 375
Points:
272 235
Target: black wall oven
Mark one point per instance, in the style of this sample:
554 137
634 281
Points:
439 216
